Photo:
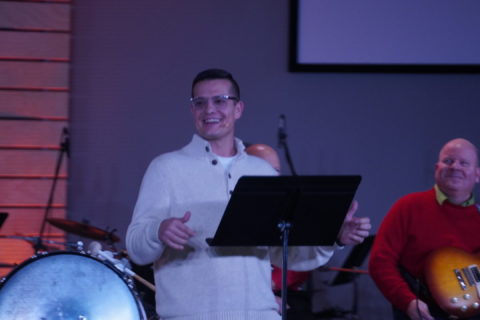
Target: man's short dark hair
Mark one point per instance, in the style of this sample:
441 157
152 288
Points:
214 74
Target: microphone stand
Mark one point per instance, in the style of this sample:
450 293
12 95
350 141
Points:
64 149
282 143
285 225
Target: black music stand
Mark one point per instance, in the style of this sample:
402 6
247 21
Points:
286 210
3 217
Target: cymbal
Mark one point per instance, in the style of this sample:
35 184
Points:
83 230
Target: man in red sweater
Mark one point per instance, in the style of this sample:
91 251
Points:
423 222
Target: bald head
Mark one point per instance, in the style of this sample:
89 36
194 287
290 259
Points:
461 144
265 152
457 171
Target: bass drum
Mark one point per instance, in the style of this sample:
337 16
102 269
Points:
67 285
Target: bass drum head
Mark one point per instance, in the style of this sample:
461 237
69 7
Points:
67 285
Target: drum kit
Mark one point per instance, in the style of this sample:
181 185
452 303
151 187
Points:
74 283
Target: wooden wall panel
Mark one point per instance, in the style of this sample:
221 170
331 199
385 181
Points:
34 104
14 224
31 192
31 133
34 45
30 162
14 251
33 74
52 16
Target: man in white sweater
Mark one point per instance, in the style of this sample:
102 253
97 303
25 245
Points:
181 201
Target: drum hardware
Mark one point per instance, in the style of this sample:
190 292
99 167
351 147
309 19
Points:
76 245
95 249
84 230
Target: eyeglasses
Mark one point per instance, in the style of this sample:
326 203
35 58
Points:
218 101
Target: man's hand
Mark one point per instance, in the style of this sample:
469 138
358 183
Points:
418 311
174 232
354 230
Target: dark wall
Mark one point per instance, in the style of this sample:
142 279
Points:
133 62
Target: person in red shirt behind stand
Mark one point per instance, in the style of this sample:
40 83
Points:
354 229
424 223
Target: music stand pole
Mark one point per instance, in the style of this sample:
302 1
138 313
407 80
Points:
285 228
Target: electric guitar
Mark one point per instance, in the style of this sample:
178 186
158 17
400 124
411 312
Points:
453 277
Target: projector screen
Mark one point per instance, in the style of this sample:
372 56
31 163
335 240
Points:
385 35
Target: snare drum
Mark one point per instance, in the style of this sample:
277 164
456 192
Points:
67 285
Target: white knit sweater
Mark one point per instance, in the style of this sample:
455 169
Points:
202 282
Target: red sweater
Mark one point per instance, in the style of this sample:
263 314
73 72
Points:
295 279
414 226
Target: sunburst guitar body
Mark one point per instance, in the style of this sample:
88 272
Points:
453 278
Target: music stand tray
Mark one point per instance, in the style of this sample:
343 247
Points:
315 207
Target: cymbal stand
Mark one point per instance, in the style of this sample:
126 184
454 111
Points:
64 149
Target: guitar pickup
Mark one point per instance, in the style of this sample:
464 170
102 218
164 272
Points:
468 274
475 272
460 279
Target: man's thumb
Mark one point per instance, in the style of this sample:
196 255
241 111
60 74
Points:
353 208
186 216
